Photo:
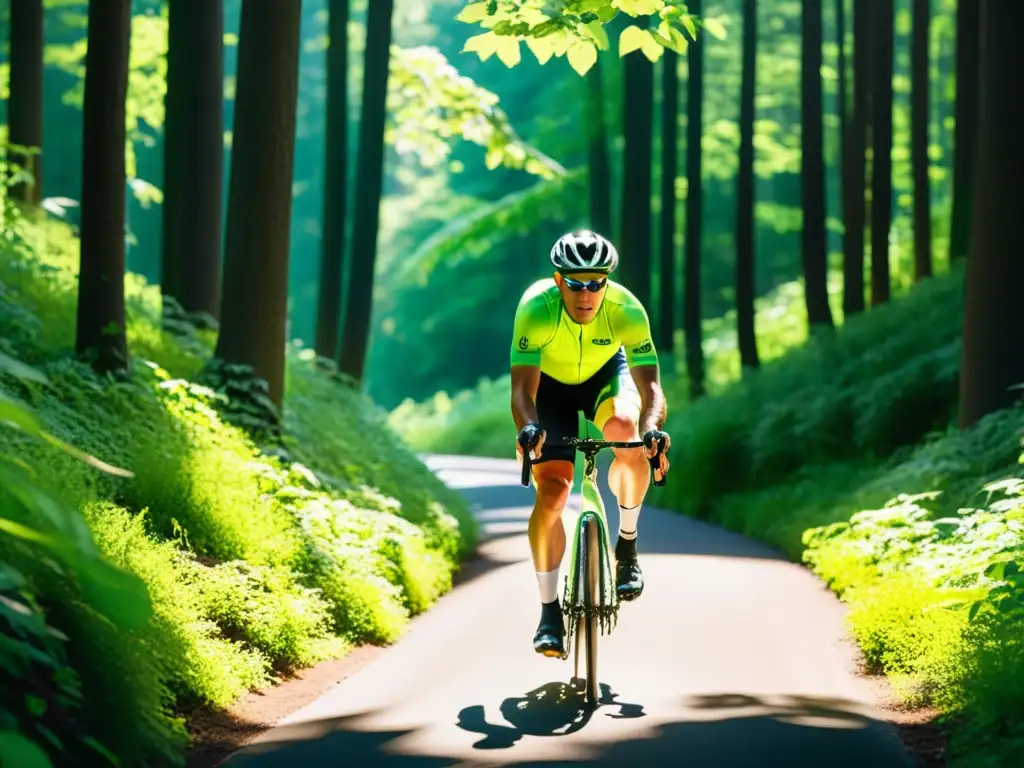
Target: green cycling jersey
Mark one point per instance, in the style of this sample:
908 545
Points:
544 335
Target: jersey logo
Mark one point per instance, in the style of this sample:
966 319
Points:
523 342
642 349
601 342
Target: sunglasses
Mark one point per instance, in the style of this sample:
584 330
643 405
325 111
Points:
576 285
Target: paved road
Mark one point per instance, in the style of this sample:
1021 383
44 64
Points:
732 657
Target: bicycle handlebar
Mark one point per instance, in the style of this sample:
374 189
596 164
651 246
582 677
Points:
590 445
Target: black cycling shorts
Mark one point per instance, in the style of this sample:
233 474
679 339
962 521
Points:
558 404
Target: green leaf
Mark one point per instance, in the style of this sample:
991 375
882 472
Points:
472 13
582 56
690 26
714 27
631 39
484 45
18 415
15 749
599 34
19 370
651 48
541 47
507 49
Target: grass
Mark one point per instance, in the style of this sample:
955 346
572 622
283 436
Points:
253 563
842 451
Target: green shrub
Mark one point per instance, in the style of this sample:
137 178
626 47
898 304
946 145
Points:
247 562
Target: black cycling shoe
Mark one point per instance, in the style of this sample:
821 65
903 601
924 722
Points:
629 579
550 636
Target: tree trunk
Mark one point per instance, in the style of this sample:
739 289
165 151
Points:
920 120
855 166
255 296
669 167
637 124
599 165
369 186
852 130
965 140
100 329
813 243
694 209
332 246
881 172
25 102
193 156
993 338
746 336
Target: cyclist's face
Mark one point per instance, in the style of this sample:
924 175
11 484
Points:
581 304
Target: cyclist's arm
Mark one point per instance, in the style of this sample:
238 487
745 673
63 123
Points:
530 332
642 357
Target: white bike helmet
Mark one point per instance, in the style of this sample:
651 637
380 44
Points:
584 251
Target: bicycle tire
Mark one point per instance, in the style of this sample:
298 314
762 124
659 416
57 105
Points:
590 544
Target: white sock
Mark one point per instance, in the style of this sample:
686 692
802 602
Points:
627 521
548 583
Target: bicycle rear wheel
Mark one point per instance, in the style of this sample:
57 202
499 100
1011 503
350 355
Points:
590 543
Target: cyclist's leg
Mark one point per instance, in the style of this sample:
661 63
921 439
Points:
552 474
616 414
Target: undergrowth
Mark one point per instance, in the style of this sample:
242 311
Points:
254 560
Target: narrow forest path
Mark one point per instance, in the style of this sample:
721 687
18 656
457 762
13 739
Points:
732 657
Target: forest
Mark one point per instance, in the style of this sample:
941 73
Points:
257 259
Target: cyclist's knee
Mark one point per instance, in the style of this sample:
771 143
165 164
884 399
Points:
553 492
622 428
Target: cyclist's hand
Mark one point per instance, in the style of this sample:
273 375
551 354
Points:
654 438
532 437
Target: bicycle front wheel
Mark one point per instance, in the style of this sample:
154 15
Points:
591 546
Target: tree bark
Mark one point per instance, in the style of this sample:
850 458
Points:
669 168
255 291
692 314
332 253
25 102
193 156
369 186
965 139
920 120
881 172
813 243
746 336
853 130
599 165
100 327
637 122
993 338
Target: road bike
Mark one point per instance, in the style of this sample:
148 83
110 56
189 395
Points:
590 601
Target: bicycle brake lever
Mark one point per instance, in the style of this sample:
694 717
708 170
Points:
655 462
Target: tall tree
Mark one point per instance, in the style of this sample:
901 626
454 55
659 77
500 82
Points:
746 336
332 245
854 171
369 185
599 164
692 314
919 121
637 129
669 167
813 241
193 156
881 135
993 326
25 102
255 286
966 125
100 323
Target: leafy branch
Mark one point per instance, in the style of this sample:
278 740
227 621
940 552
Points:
576 29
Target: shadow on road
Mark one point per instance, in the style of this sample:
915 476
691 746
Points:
553 709
724 731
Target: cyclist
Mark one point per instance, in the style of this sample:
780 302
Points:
583 343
